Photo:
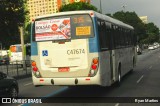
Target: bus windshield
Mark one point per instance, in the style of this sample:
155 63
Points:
63 28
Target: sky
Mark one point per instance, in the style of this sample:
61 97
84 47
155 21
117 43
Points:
149 8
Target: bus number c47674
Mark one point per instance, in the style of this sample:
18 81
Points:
75 51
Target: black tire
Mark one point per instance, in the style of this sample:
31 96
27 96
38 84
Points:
119 77
118 83
133 65
38 85
13 92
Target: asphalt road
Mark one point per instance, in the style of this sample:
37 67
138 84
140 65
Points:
144 81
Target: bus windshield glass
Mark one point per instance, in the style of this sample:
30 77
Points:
63 28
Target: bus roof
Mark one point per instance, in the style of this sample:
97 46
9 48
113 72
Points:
28 44
16 45
112 20
101 16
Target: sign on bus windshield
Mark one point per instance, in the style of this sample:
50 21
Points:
64 27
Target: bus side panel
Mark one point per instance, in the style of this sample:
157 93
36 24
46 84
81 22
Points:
123 57
105 68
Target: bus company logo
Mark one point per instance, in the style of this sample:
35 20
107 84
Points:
45 52
6 100
13 100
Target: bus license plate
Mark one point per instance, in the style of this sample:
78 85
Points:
64 69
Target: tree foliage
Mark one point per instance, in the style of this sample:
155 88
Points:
77 6
11 17
152 32
146 33
132 19
27 32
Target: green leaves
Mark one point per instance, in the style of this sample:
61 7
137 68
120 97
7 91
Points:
77 6
12 14
146 33
152 32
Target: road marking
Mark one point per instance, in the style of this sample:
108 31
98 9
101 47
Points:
20 105
49 95
117 104
150 67
28 84
140 79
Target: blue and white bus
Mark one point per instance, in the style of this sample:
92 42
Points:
81 48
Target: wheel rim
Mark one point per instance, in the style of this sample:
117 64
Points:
119 77
14 92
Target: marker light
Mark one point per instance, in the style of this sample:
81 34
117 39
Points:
95 61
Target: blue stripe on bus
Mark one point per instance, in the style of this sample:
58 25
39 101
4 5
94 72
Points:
93 42
34 50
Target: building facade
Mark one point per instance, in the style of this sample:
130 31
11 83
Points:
42 7
71 1
144 19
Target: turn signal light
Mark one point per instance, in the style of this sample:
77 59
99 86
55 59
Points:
95 61
33 63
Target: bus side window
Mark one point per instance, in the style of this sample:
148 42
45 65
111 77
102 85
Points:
114 38
99 33
123 36
122 40
28 50
108 33
134 38
103 36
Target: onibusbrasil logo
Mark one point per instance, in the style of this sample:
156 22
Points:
24 100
